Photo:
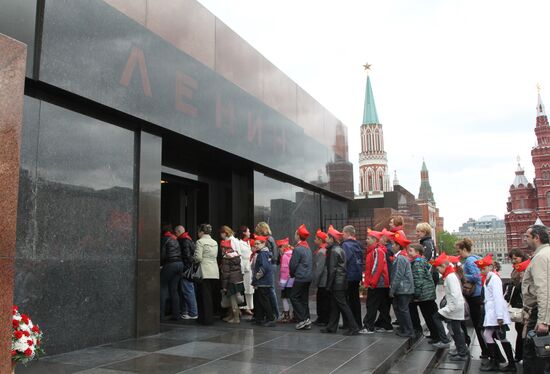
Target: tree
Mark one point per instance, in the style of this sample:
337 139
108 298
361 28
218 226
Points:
446 242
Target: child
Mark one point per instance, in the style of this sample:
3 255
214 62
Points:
424 291
285 281
453 311
402 286
320 279
377 281
496 317
232 281
262 280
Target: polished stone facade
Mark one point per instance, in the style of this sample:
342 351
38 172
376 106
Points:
76 241
12 78
122 94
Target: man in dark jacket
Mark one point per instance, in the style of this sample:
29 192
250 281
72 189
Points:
187 287
336 285
172 267
300 267
355 264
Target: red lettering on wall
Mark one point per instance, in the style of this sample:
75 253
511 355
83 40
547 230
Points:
225 114
136 56
184 89
254 129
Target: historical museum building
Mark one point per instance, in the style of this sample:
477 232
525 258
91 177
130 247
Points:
530 202
138 113
488 234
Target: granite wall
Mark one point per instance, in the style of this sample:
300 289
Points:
76 240
12 79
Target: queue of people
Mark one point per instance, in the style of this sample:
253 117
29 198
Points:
244 272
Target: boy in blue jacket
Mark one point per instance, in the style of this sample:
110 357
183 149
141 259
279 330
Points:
262 281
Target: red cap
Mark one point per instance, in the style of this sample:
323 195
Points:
282 242
376 234
321 235
335 233
442 258
401 239
454 259
302 231
226 243
485 261
388 234
260 238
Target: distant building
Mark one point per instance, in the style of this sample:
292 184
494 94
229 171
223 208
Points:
488 235
530 202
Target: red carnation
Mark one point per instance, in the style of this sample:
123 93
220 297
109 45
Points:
15 308
37 342
15 323
25 319
35 329
26 333
29 342
28 352
13 352
18 334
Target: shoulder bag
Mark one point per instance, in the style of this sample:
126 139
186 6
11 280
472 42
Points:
197 275
541 344
516 314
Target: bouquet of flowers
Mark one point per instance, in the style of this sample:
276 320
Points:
26 338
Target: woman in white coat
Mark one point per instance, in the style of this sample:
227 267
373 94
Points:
496 317
243 235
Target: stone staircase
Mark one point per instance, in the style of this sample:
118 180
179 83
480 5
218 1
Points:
423 358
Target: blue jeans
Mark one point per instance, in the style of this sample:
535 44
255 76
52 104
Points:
189 301
169 281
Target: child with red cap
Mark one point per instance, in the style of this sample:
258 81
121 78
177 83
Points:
320 279
377 281
496 319
402 286
453 311
300 267
285 281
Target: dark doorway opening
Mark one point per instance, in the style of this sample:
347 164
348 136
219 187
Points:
184 202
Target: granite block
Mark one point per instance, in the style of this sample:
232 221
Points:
245 337
325 361
268 356
225 366
152 344
12 81
76 248
95 356
41 367
158 364
204 350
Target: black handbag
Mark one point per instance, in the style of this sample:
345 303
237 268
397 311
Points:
541 344
197 274
188 273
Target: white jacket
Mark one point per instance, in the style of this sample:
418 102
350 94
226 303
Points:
455 301
246 252
495 306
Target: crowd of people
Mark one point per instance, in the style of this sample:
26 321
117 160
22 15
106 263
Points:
247 274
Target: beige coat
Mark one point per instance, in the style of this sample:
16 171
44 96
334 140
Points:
206 254
536 284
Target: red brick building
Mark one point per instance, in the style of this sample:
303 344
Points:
530 202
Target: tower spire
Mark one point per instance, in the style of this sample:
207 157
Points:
369 109
540 106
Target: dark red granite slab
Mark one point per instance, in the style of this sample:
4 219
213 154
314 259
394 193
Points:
12 80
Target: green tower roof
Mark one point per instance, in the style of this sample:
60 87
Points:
369 112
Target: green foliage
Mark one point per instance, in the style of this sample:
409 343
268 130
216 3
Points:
446 242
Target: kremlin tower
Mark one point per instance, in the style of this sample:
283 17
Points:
374 179
530 202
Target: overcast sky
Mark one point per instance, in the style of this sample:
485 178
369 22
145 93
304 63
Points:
454 82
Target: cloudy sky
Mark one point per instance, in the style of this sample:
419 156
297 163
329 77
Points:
454 82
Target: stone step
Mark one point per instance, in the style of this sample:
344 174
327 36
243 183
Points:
420 359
